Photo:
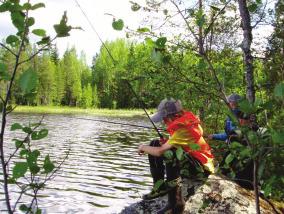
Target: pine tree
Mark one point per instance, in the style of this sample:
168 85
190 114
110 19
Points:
47 85
87 97
72 71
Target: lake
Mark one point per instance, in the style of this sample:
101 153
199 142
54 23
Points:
103 172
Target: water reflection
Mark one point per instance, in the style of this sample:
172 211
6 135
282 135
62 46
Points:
103 173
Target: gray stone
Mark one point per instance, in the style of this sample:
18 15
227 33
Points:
216 196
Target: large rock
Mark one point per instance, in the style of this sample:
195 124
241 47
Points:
217 195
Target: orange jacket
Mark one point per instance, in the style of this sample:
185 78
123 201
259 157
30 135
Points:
186 131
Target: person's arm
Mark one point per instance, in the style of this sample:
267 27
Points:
155 151
220 136
230 126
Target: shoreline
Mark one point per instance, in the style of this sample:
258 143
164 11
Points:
76 110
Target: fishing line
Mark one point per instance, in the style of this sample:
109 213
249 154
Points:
118 123
93 28
114 62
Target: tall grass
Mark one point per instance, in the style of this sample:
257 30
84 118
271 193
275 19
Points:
74 110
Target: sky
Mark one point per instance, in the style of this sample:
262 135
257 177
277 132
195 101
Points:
97 11
84 40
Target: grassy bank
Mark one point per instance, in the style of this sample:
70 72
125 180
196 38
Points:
73 110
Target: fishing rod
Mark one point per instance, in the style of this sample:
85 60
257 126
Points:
118 123
114 62
144 108
93 28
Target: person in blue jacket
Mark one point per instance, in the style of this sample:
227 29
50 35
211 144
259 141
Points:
230 127
244 176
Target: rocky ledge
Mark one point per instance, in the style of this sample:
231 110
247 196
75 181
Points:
217 195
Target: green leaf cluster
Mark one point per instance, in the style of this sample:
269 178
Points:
117 24
30 158
62 29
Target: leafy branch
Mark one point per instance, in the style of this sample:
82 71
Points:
27 81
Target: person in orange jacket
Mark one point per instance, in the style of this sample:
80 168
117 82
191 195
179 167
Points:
185 132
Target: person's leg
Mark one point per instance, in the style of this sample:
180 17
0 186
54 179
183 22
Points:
157 169
244 177
194 174
175 199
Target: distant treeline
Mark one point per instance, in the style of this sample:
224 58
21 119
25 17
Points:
69 81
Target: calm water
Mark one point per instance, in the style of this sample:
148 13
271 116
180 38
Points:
103 173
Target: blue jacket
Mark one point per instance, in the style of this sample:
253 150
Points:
229 127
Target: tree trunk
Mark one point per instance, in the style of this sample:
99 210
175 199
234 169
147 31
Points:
201 52
200 33
248 61
246 47
255 185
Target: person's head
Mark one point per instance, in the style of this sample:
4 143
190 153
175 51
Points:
168 108
233 100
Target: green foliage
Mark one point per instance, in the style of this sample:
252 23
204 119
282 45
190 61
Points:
179 153
5 6
62 29
48 165
87 97
157 56
252 7
161 42
16 126
229 159
32 157
264 146
37 6
247 107
200 18
277 137
19 70
168 155
24 208
158 184
39 32
134 6
143 30
12 39
117 24
39 135
28 81
4 75
279 91
18 20
20 169
71 69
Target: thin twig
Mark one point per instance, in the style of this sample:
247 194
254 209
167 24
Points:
58 167
8 49
8 112
23 190
4 115
215 17
261 16
24 141
184 18
38 51
2 99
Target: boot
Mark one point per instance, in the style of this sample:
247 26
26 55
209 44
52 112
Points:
159 186
160 189
176 202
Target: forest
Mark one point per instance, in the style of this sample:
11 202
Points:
198 54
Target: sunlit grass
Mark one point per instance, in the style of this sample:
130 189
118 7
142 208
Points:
73 110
